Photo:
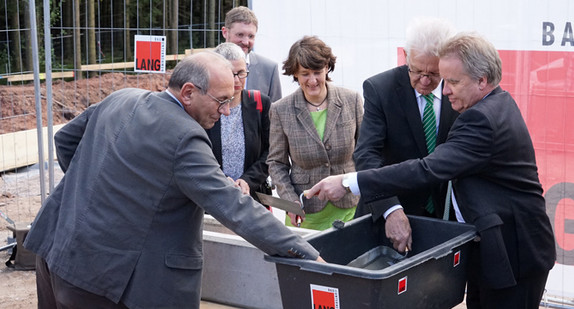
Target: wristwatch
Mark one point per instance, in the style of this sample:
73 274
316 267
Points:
345 183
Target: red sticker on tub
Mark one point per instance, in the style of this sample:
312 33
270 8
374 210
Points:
402 285
456 259
324 297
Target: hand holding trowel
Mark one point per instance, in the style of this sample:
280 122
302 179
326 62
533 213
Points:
290 207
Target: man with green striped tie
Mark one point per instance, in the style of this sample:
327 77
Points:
406 117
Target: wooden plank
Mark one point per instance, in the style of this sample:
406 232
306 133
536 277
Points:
197 50
20 148
187 53
101 66
174 57
107 66
122 65
26 77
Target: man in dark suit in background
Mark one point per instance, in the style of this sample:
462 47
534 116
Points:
392 129
240 28
490 157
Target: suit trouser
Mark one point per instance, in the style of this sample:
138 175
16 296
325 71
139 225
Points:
526 294
55 292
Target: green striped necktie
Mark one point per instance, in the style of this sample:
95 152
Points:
429 123
429 126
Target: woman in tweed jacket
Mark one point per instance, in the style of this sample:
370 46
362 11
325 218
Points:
313 134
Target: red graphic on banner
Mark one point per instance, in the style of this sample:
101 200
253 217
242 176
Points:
148 56
542 84
323 300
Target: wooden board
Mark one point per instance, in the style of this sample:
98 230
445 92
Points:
20 149
99 67
26 77
107 66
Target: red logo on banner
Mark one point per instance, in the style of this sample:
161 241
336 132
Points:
456 259
324 297
402 285
148 56
323 300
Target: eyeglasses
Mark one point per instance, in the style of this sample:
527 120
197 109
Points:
421 74
222 103
241 74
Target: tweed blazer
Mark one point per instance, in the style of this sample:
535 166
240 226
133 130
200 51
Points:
298 158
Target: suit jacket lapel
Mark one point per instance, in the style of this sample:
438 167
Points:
304 117
215 136
251 127
253 62
252 59
333 111
445 114
412 113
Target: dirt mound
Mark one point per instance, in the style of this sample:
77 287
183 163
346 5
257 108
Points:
69 98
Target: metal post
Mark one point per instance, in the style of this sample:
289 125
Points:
48 67
36 64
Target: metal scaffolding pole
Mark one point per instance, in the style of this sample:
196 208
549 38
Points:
48 67
37 96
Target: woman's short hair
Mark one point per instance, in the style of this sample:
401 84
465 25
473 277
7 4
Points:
230 51
311 53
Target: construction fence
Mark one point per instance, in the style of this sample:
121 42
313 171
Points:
59 57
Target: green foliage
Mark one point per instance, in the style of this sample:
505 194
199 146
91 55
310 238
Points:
146 17
55 13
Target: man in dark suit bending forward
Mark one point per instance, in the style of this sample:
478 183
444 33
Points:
490 158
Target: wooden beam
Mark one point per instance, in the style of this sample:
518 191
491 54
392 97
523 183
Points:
20 148
26 77
197 50
100 67
174 57
107 66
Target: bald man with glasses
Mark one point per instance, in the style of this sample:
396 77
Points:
123 229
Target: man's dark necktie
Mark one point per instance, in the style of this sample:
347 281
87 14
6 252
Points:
429 126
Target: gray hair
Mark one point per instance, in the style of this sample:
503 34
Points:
230 51
194 69
478 56
426 36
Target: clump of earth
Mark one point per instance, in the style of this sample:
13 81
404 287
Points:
69 98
